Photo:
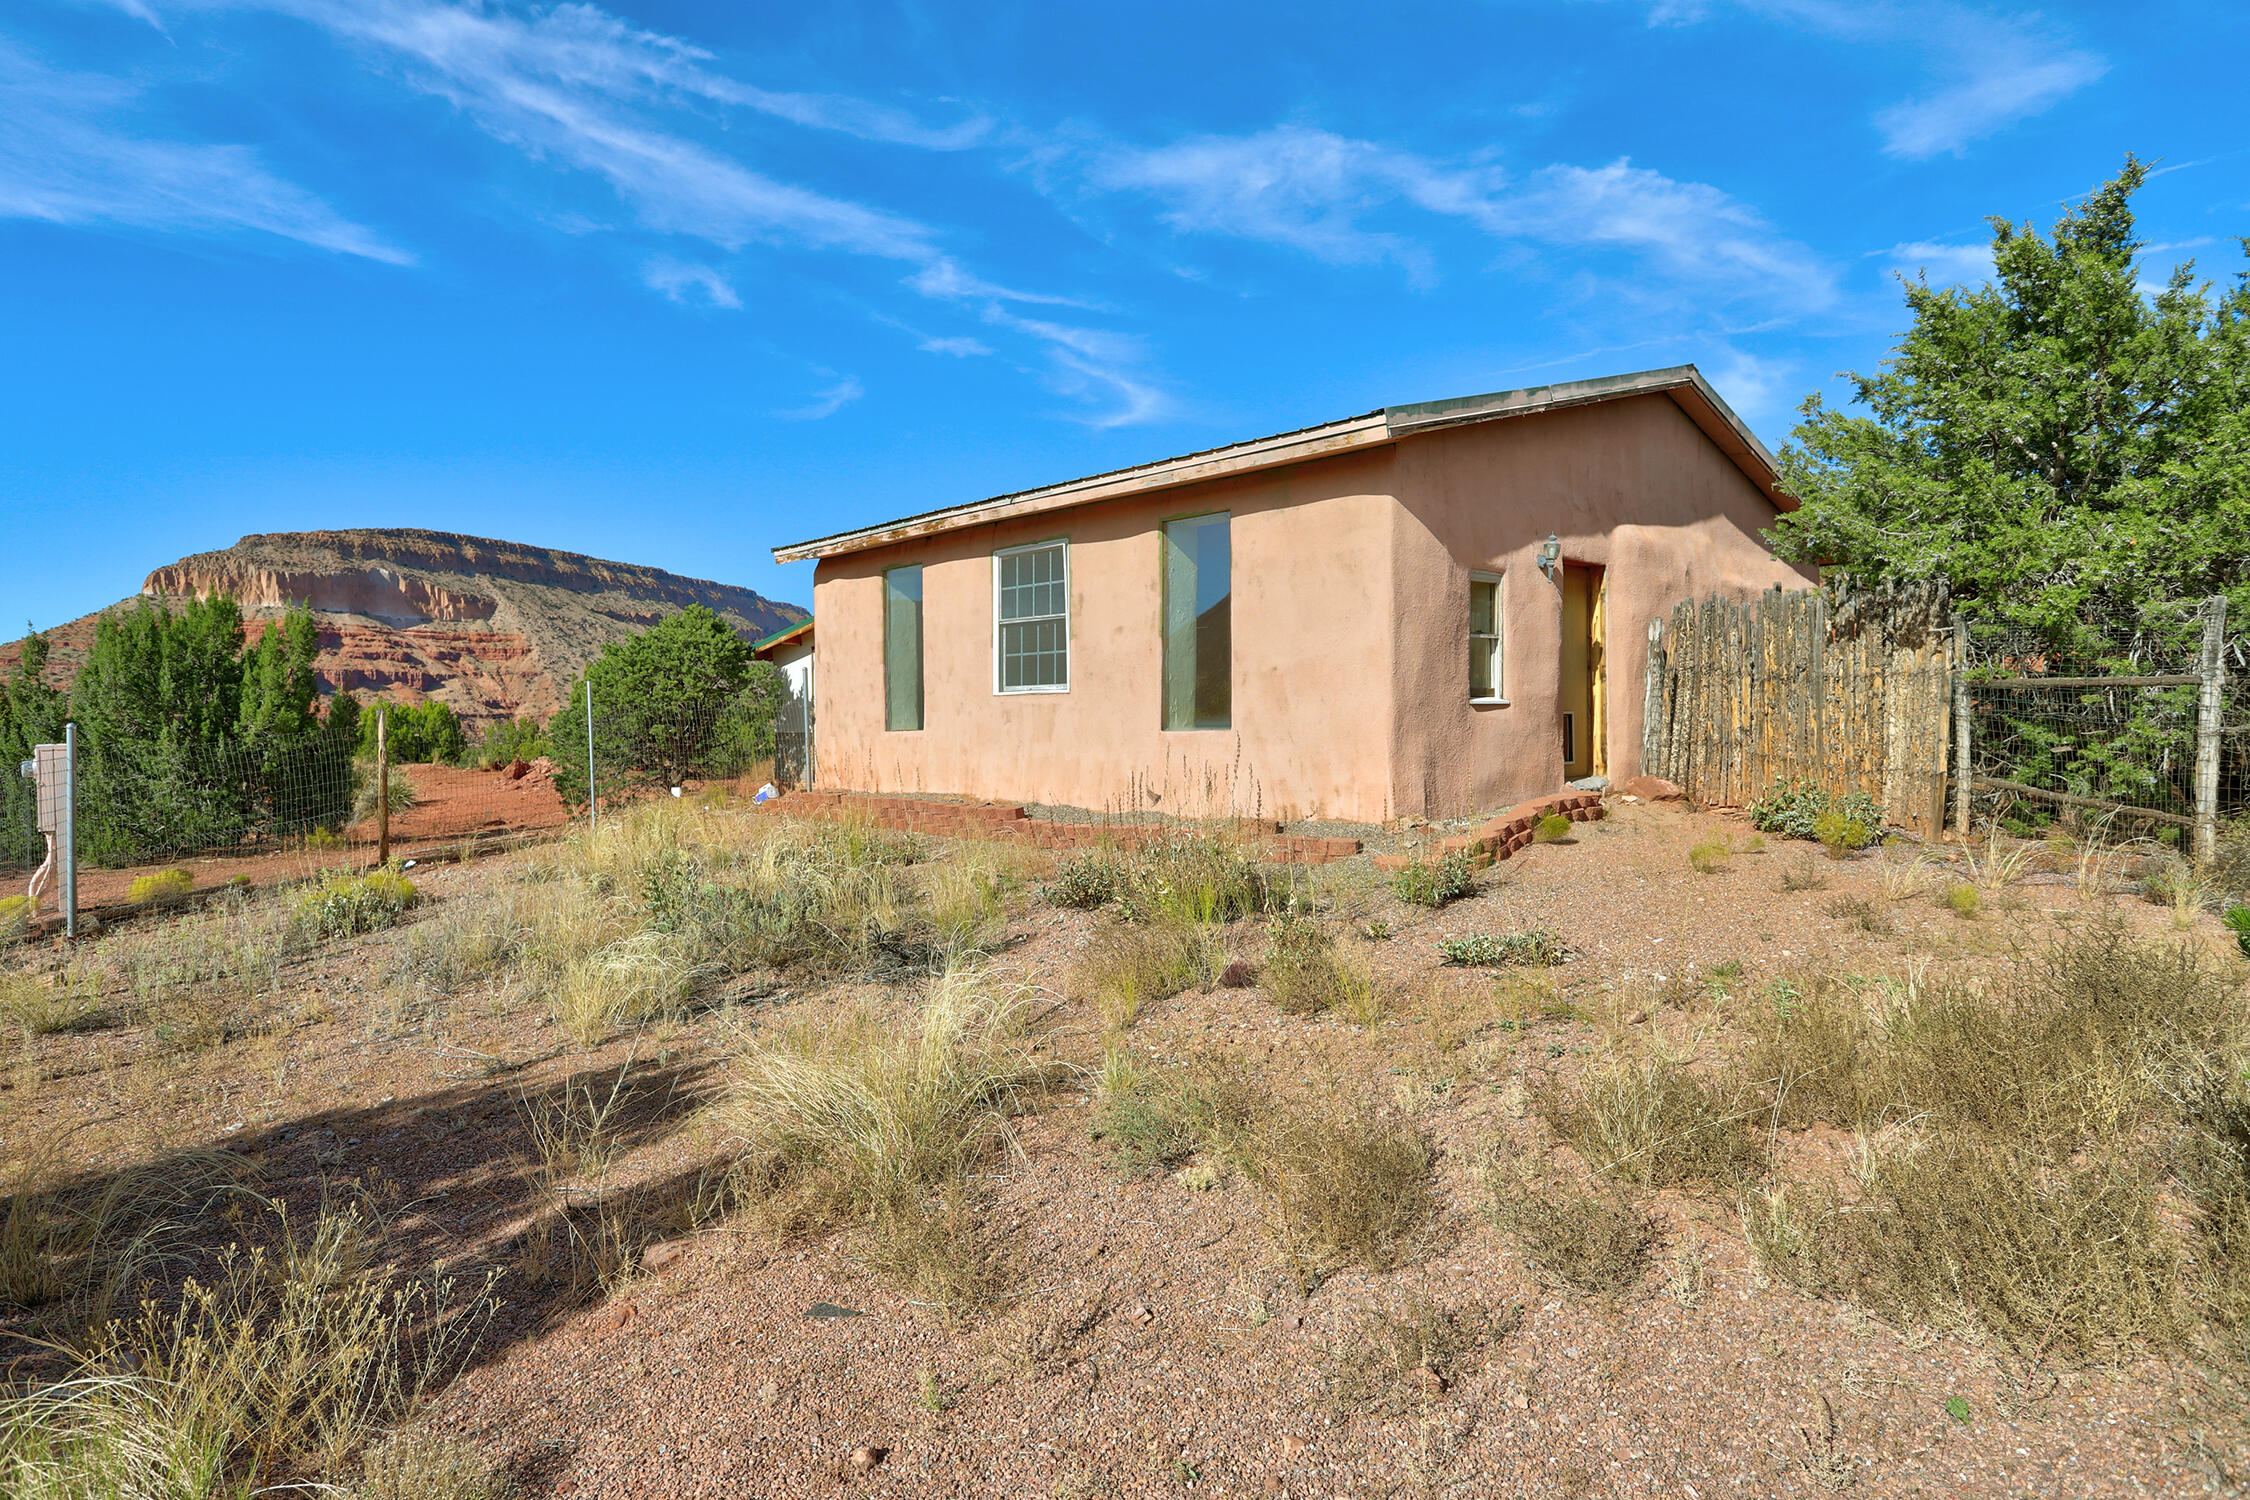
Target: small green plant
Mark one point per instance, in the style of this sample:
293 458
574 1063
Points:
2238 918
1956 1408
1710 856
1434 884
1961 898
1840 833
1375 930
1550 828
346 905
1535 948
1083 882
164 885
1794 808
15 915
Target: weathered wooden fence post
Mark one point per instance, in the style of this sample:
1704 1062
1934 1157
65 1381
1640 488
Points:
1652 703
2211 666
1961 744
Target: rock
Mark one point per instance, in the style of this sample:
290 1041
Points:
1291 1445
1637 1018
1426 1380
768 1394
1653 788
613 1317
657 1257
1592 783
865 1458
1141 1314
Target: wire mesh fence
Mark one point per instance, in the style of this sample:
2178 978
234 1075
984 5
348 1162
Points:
167 820
2101 714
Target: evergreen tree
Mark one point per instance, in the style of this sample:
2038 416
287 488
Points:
2062 446
683 698
31 713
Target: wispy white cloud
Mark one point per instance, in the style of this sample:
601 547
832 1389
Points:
580 88
958 347
1942 264
826 402
2003 69
1347 202
67 157
685 280
1989 69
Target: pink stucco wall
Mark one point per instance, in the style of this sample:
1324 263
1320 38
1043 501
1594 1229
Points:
1631 486
1312 647
1350 579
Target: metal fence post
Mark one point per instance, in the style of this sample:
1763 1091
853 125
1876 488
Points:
1961 731
2211 667
382 783
68 835
593 812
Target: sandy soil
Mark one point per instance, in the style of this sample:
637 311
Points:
1155 1346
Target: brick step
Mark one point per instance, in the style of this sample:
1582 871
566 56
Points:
1499 838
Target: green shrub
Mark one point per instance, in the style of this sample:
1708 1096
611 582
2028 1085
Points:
1961 899
1426 884
1083 882
1794 808
164 885
1550 828
1840 833
2238 918
1535 948
345 905
15 915
1710 856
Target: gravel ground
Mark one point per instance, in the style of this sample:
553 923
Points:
1154 1346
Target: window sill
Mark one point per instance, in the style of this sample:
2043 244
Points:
1028 692
1488 703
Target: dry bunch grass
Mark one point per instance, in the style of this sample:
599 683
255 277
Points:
1343 1184
1649 1120
1130 964
1395 1363
874 1126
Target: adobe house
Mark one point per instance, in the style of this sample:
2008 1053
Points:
1434 610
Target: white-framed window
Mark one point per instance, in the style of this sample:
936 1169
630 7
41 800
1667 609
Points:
1031 618
1488 682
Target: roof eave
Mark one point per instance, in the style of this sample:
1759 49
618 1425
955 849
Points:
1219 463
1684 384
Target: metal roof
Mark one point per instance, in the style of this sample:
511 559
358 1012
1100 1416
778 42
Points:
1683 383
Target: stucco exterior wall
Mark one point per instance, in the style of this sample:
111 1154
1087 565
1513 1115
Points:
1631 486
1312 686
1349 626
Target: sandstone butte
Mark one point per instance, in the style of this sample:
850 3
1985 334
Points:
492 629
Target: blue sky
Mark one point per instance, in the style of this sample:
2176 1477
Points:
673 282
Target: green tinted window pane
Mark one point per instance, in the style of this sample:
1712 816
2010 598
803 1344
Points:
1483 594
1198 624
902 648
1480 668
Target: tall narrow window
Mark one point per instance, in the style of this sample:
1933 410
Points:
1487 684
1198 625
902 648
1031 588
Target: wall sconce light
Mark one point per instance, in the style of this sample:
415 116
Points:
1550 555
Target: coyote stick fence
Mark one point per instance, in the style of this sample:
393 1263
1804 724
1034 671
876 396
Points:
1845 691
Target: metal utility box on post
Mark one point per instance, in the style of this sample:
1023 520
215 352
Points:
2211 668
53 770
